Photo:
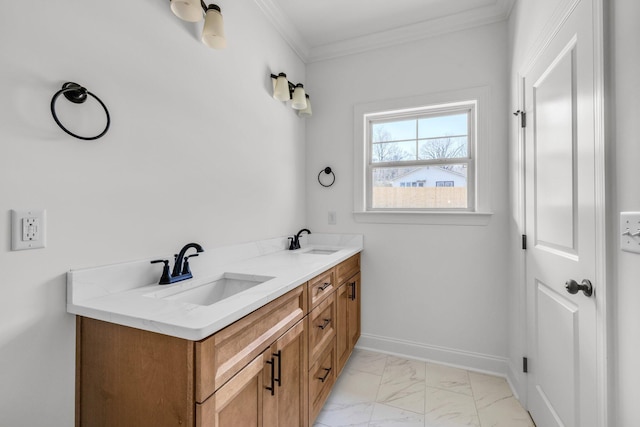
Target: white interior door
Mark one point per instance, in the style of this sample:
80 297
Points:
560 218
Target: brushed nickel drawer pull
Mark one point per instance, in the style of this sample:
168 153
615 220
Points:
325 324
326 374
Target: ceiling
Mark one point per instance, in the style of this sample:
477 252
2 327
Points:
322 29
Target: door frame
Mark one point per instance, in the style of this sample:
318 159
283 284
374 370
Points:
602 275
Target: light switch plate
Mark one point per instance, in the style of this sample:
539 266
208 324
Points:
28 229
630 231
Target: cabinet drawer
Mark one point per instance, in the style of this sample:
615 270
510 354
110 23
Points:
322 326
238 402
321 287
347 268
322 376
222 355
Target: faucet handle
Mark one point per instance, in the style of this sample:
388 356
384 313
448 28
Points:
165 278
185 267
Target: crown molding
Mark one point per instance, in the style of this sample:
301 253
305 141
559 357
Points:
497 12
285 27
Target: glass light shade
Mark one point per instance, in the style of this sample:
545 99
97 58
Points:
299 100
281 91
307 111
274 79
188 10
213 31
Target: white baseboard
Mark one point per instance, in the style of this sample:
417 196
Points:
517 381
468 360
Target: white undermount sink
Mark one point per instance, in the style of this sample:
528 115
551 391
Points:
321 251
212 292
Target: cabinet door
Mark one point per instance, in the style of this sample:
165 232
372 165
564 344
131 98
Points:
342 334
239 402
354 307
290 360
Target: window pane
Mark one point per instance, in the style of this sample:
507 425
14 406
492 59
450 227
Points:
443 148
394 131
427 187
433 127
393 151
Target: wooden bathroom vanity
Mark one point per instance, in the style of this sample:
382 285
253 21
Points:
273 367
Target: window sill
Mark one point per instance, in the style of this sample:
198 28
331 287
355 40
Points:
427 218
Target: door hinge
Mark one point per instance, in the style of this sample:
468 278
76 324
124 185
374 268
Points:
525 365
523 118
524 241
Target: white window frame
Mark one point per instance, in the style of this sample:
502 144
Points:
468 107
479 213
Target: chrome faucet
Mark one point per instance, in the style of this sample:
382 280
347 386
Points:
295 240
181 269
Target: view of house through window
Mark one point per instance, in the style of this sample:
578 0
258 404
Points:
422 160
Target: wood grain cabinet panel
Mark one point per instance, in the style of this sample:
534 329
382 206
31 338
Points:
322 376
347 269
342 335
354 310
286 404
222 355
348 312
322 326
239 402
268 392
129 377
320 287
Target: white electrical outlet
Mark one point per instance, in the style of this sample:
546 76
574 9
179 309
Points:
332 218
28 229
630 231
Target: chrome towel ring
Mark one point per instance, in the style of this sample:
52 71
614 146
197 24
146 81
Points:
78 95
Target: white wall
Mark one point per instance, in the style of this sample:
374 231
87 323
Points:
625 174
197 151
433 291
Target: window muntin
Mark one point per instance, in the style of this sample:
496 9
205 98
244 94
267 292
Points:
421 160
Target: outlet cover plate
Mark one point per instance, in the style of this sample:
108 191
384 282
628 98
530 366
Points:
28 229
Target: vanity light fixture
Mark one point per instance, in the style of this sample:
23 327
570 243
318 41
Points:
193 11
284 90
307 111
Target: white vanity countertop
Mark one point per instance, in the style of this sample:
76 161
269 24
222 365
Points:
124 293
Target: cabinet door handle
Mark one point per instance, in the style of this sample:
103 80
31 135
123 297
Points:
324 286
353 290
273 378
279 356
326 374
325 324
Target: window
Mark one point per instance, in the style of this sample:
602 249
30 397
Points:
439 141
421 159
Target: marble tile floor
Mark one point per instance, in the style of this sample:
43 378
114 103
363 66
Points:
379 390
